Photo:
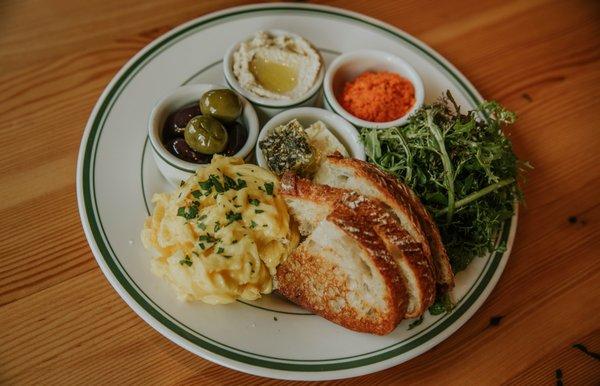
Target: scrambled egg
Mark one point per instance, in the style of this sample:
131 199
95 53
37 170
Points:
221 234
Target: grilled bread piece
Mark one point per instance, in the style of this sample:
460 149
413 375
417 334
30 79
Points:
344 273
311 203
369 180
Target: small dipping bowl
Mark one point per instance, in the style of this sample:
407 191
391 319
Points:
338 126
347 67
266 107
172 168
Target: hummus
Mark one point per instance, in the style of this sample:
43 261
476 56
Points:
276 67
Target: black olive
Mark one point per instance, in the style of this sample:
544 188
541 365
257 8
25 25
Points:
175 124
173 135
180 149
238 135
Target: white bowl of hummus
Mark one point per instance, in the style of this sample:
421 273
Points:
275 70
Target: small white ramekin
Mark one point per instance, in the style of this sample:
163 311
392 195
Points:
348 66
267 107
173 168
342 129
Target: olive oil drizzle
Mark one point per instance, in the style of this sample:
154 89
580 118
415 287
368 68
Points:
274 76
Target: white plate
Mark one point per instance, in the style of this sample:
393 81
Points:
116 177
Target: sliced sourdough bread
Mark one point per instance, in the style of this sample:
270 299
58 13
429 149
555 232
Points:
343 272
308 203
311 203
369 180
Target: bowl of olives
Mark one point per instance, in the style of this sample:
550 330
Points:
195 122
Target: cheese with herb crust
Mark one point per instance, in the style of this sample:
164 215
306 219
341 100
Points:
291 147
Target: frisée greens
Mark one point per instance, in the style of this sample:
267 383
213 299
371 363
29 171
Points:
461 165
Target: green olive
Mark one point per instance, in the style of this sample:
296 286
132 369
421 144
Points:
206 135
223 105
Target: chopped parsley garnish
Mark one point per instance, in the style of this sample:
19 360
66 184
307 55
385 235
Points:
217 227
220 250
237 206
229 182
201 245
201 225
269 188
241 184
206 185
181 183
234 241
253 224
202 217
207 238
195 253
211 182
196 193
216 183
254 201
187 261
233 216
257 211
190 213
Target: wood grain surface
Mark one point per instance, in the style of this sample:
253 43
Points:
61 322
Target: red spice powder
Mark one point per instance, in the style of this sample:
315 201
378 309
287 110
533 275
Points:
378 96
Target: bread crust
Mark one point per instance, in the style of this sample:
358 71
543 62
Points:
296 276
383 221
401 245
294 186
401 197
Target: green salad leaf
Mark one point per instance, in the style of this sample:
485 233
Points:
461 165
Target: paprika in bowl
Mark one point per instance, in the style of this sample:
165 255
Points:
372 89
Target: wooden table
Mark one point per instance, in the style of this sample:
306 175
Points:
62 323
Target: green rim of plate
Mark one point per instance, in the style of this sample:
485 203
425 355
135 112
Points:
100 239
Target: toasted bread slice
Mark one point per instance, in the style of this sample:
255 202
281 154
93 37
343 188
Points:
343 272
369 180
311 203
308 203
